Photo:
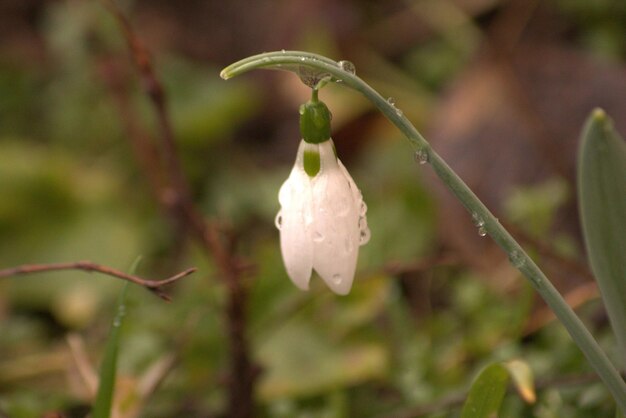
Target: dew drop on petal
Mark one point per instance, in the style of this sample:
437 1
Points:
363 209
337 278
347 66
278 221
318 237
365 236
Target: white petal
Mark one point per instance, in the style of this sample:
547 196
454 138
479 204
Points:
364 231
295 238
335 229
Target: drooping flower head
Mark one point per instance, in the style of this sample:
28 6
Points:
322 219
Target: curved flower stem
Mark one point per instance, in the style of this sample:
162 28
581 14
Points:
304 63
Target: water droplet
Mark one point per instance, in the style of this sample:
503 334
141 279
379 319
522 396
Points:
363 209
478 221
337 279
482 231
399 112
365 236
278 221
347 66
310 76
517 259
318 237
302 59
348 245
391 101
421 156
283 51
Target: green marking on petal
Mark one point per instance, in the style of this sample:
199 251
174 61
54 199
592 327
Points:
311 162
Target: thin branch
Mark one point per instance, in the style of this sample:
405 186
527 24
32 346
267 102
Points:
152 285
153 88
176 198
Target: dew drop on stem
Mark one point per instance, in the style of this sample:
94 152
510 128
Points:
278 221
517 259
480 224
347 66
478 221
310 76
421 156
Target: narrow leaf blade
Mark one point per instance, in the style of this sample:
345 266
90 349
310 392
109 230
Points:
523 379
486 393
108 369
602 202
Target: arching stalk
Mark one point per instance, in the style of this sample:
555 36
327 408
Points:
316 70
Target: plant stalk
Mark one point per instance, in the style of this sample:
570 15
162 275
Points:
312 65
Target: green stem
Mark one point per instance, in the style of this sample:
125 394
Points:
298 61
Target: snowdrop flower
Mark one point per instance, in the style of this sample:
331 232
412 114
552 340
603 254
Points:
322 217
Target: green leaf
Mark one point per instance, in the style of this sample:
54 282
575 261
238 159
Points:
486 393
108 369
602 201
523 379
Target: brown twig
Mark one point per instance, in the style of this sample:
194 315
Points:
176 198
152 285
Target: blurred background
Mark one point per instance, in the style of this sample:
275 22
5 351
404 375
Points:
500 88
